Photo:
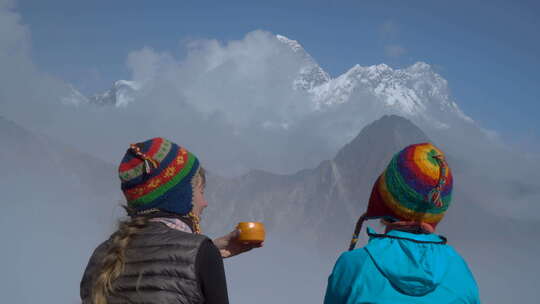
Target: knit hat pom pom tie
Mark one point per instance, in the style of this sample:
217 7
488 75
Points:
149 163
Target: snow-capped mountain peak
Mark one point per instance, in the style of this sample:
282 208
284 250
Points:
415 91
74 97
310 74
127 83
293 44
120 95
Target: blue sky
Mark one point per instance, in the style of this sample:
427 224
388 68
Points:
487 50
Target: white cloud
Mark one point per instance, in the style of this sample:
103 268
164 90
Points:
226 95
234 105
218 101
25 92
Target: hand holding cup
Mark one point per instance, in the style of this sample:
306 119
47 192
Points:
251 232
246 236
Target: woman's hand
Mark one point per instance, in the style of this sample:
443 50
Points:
229 245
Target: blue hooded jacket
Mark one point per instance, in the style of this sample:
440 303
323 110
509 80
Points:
401 267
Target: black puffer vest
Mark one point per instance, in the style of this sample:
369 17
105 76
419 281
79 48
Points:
159 268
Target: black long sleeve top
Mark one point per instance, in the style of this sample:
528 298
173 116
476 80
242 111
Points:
211 273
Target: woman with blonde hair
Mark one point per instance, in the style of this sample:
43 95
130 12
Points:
159 255
408 263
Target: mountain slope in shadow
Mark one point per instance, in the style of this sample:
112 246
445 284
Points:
316 209
58 203
320 204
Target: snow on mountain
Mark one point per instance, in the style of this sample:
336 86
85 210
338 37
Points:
75 97
120 95
413 91
311 75
416 92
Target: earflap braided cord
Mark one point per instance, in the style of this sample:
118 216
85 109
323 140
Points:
434 196
356 232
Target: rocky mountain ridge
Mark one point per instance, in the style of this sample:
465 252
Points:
417 92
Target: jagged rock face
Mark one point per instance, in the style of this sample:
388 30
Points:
311 75
320 204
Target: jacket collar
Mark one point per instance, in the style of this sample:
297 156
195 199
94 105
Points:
415 237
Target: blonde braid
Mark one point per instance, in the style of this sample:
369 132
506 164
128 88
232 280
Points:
199 179
114 260
196 222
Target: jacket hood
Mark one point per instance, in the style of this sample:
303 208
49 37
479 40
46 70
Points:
415 264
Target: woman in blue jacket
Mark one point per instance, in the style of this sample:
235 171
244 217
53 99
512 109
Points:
408 263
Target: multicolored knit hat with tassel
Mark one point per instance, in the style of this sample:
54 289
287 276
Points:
415 187
157 175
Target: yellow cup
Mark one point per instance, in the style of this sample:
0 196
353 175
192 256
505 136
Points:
251 232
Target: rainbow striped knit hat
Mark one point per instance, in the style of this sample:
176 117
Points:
157 175
415 187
